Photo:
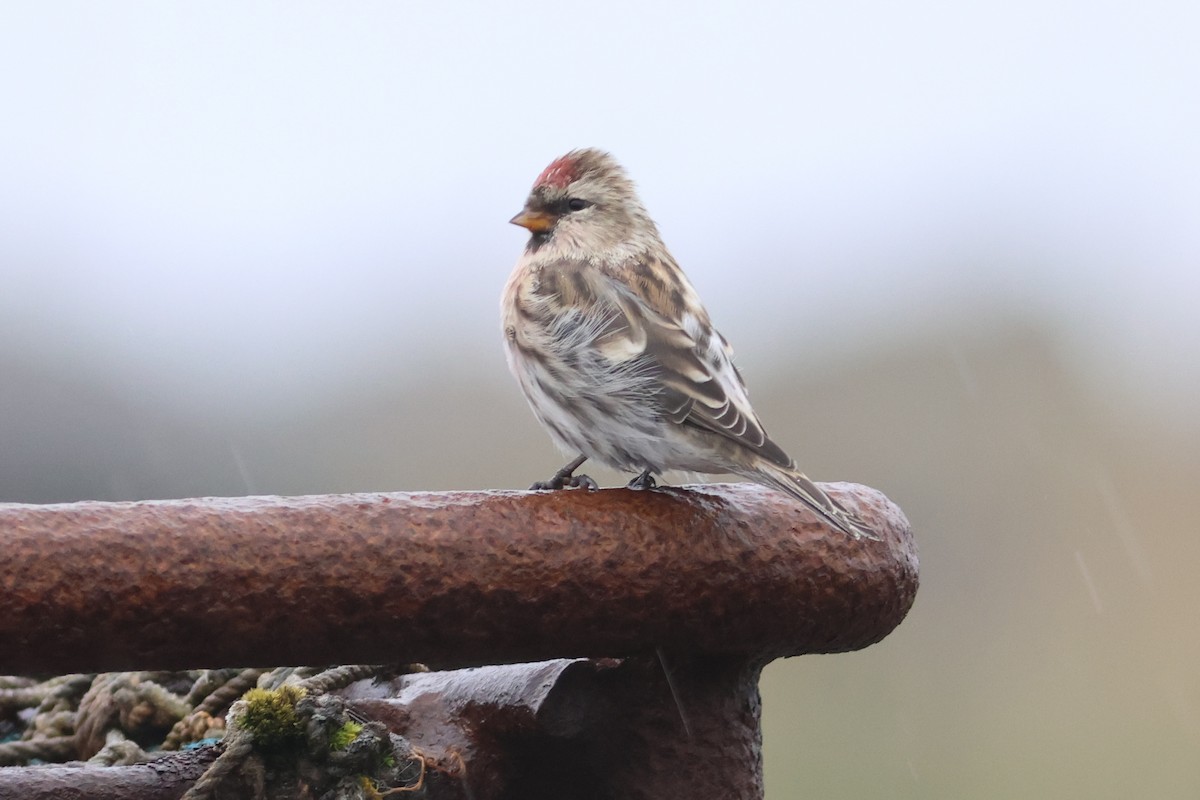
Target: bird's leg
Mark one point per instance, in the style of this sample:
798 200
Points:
643 481
564 478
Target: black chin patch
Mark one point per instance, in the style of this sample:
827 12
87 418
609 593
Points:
537 240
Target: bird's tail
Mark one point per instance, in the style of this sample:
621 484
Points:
800 487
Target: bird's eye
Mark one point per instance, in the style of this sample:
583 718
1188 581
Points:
577 204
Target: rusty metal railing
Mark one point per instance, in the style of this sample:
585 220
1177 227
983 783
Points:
705 585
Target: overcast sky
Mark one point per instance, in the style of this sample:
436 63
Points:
231 201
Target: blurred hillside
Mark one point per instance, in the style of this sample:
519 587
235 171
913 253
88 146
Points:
1052 648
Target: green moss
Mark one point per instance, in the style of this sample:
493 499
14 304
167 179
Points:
344 735
271 717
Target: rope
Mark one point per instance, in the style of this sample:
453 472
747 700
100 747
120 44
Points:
207 682
15 682
58 748
118 750
295 711
289 711
236 750
339 678
223 696
22 697
219 698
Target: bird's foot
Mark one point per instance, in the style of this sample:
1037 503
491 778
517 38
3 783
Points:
583 482
565 479
643 482
560 481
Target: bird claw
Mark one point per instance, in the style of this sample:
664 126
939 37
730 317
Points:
642 482
583 482
566 482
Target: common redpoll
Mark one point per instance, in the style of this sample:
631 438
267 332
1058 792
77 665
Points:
615 352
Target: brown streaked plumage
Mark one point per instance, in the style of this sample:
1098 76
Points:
615 352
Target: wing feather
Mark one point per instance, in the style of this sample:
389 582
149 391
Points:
639 320
699 384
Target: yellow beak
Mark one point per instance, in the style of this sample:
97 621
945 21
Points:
535 221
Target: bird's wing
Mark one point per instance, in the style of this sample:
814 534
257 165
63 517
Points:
661 320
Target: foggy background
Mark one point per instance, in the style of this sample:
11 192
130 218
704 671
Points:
258 248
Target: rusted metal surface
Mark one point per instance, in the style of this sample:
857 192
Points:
450 579
706 585
582 729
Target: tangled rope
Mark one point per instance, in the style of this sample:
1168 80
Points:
297 716
284 714
218 693
50 733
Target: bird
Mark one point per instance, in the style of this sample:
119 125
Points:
617 355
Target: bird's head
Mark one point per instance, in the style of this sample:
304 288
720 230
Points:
585 202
